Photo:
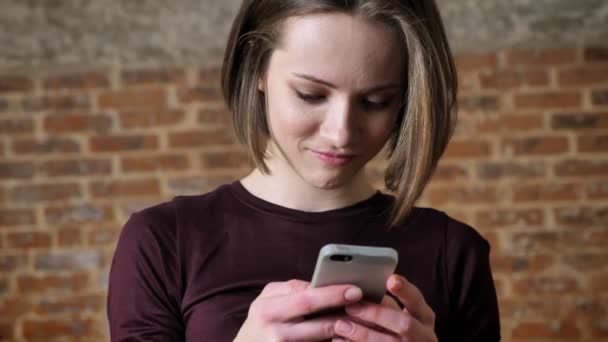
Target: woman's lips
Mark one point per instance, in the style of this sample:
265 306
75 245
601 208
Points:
333 159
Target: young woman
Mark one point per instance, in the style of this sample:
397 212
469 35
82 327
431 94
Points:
317 88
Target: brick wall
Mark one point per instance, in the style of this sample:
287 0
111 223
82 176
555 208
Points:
80 149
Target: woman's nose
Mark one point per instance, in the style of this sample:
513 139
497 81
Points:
338 126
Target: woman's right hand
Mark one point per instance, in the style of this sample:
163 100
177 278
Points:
278 313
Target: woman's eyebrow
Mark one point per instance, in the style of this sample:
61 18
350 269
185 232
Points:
333 86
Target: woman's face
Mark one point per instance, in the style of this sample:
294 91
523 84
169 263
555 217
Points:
333 89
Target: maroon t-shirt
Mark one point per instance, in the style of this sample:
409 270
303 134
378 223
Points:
188 269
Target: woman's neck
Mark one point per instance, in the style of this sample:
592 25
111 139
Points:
287 189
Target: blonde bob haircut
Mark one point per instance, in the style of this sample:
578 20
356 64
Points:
428 113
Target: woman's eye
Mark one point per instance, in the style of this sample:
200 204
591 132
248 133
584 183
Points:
310 98
375 105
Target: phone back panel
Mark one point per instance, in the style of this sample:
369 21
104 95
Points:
368 269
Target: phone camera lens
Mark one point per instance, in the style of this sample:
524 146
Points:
341 257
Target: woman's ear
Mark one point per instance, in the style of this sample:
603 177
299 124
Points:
262 84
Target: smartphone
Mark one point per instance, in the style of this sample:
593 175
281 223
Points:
364 266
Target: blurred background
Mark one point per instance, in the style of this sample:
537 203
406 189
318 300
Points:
107 107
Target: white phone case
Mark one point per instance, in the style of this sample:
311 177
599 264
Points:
364 266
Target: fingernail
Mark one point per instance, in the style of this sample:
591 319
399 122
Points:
396 283
354 309
353 294
344 327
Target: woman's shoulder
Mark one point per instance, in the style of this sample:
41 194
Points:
163 219
439 225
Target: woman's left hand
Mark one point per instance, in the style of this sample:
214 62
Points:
387 321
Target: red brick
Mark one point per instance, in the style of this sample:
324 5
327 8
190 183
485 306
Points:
600 97
596 54
466 62
31 239
589 306
153 76
200 93
463 195
7 330
518 263
599 329
15 84
548 100
4 286
14 126
545 285
583 76
509 123
581 167
69 237
76 167
583 121
582 216
71 215
546 192
209 76
126 188
537 241
16 170
15 307
45 192
593 143
101 237
148 98
467 149
17 217
479 103
497 218
586 239
164 162
29 284
545 145
48 146
547 330
450 172
500 170
509 79
57 124
115 143
56 328
70 305
599 283
60 103
201 138
74 260
586 262
83 80
150 118
541 57
199 184
4 105
224 160
208 116
11 263
597 189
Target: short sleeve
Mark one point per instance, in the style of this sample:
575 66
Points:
474 314
143 290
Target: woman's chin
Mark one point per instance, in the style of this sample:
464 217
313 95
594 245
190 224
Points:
326 183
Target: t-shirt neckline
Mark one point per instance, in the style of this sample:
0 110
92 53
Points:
375 204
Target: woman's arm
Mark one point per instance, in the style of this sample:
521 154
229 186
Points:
474 314
142 295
